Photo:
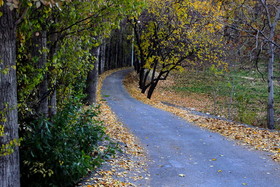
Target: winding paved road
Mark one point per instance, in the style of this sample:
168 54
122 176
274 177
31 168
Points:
182 154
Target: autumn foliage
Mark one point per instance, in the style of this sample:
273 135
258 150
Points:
172 35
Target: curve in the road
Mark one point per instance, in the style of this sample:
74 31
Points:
182 154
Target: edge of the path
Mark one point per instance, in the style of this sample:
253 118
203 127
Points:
129 166
252 137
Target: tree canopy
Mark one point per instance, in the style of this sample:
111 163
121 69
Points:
171 35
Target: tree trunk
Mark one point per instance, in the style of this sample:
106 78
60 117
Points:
152 88
154 81
92 80
141 77
107 56
132 53
9 165
144 81
136 64
270 104
101 59
40 45
114 65
52 105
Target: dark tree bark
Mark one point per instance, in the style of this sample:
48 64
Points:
9 165
144 86
152 88
136 64
141 77
43 87
53 104
101 62
140 62
92 80
107 56
53 96
155 81
39 46
116 55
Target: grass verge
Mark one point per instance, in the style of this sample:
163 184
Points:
237 95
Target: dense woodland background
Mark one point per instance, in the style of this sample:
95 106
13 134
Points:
51 53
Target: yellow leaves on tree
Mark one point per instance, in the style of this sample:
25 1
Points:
173 31
171 35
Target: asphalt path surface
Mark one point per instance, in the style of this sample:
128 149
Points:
182 154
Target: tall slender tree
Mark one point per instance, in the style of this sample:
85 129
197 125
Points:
9 164
258 22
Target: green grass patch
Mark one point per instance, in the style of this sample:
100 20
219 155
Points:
240 95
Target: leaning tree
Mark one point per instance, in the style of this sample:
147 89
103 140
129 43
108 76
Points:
172 34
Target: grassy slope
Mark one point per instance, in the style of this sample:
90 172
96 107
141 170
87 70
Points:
239 95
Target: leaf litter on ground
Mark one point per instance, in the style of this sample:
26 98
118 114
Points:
127 167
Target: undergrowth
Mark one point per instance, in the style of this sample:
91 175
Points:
60 151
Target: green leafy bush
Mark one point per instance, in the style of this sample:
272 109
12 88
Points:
61 151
